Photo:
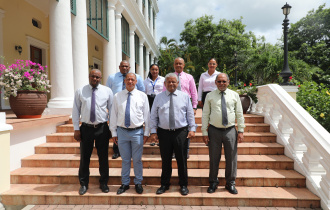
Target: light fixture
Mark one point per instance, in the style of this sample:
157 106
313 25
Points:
286 73
286 9
19 48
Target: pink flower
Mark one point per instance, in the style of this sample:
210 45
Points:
290 77
244 84
27 75
250 84
298 86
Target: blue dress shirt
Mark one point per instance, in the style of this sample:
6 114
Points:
183 111
115 82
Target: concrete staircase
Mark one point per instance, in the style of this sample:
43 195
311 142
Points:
265 175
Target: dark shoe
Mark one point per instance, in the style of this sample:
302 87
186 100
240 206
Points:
212 188
139 188
173 156
157 144
231 189
122 189
188 156
115 156
83 190
184 190
162 189
104 188
152 144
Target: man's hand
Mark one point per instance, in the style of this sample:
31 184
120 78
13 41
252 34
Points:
200 104
77 135
195 111
206 140
240 137
145 138
191 134
115 139
153 137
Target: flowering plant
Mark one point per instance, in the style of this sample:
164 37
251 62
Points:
23 75
250 90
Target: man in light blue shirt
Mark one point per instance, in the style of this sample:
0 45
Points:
116 83
172 121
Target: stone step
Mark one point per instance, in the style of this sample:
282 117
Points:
195 148
67 194
250 127
264 137
154 161
197 177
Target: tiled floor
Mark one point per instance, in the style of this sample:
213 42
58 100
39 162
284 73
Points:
152 207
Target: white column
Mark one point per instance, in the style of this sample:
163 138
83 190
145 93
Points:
140 5
146 14
155 26
151 28
119 10
132 28
140 70
61 67
109 47
80 46
147 63
152 58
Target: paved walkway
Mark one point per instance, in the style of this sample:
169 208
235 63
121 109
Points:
151 207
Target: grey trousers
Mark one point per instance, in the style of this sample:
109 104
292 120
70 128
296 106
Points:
228 138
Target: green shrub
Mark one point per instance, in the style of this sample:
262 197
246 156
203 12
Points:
315 98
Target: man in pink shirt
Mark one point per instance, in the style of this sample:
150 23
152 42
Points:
186 84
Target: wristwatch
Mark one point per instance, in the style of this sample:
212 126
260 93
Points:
195 108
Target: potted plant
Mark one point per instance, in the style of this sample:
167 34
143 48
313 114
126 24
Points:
246 93
25 84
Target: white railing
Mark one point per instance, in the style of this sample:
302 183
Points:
305 140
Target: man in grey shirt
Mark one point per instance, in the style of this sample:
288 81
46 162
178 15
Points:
93 104
172 121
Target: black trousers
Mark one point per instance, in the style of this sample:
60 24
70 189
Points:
115 148
204 96
177 141
101 135
151 100
227 138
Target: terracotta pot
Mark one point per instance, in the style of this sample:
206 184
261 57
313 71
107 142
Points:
28 104
246 102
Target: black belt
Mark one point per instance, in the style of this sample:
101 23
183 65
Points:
93 125
175 129
223 129
132 129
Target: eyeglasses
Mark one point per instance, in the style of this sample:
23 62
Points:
220 81
97 77
124 66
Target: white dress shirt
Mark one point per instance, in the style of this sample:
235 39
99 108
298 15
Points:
206 83
154 87
82 105
139 111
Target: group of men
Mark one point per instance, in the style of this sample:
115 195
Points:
171 121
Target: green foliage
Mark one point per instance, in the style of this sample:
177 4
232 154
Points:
309 40
316 100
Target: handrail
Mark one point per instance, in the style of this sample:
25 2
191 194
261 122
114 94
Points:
305 140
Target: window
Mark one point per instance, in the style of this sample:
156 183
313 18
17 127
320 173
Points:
137 51
73 7
125 36
144 57
149 9
143 6
97 17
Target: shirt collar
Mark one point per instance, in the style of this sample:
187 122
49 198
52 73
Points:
132 92
219 92
91 87
151 79
178 73
168 92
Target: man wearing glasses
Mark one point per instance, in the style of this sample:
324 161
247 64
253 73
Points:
92 106
222 106
116 83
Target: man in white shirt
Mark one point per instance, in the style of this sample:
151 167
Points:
129 111
93 104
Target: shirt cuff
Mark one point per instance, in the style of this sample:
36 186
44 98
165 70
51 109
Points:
153 130
113 133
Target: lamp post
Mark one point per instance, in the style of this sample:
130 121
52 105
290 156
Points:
286 73
235 55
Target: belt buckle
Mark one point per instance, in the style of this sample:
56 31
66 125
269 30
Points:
171 129
95 125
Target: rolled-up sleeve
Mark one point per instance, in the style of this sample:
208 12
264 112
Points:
239 115
190 116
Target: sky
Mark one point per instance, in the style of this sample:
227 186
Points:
263 17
